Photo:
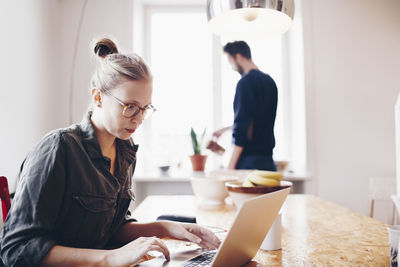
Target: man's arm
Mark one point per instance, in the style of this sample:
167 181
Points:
244 113
219 132
237 151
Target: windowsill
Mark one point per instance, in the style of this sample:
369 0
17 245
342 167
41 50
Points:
184 176
178 182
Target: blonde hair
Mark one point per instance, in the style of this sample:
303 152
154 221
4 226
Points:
115 68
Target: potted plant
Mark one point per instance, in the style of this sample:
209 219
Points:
198 160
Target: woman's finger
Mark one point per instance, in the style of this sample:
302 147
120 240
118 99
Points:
157 242
206 235
208 245
156 247
209 236
163 246
192 238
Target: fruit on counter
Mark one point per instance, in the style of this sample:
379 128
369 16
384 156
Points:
247 182
263 178
269 174
259 180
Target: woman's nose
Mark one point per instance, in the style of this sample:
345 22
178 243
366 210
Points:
138 118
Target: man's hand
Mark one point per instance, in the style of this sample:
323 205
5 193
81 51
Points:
217 134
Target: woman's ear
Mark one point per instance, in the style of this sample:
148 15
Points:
96 96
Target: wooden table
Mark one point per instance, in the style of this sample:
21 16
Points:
315 232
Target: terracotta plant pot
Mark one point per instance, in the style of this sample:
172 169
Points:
198 162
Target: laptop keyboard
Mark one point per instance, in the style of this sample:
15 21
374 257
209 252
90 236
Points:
204 259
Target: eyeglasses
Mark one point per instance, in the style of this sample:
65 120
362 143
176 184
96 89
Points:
131 110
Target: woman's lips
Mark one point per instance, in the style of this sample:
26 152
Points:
132 130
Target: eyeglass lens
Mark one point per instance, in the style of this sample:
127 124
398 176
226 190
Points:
132 110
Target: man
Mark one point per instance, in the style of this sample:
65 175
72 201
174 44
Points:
254 108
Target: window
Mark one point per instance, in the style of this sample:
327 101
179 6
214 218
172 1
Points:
179 51
180 56
194 86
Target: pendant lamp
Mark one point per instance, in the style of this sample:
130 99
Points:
249 18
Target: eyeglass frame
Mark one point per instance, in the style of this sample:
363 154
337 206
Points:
125 106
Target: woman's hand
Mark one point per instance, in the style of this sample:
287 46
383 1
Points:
190 232
134 251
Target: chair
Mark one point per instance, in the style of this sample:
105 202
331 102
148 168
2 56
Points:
380 189
5 197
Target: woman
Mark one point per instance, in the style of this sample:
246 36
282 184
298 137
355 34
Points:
71 204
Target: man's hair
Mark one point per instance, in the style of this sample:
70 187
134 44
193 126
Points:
238 47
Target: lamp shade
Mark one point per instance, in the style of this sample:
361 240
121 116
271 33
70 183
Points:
249 18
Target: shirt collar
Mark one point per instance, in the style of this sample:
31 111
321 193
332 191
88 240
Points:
125 148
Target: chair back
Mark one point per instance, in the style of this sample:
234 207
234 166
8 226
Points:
381 188
5 197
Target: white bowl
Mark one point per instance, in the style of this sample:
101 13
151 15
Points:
210 192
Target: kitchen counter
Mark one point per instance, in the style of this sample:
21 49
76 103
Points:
178 182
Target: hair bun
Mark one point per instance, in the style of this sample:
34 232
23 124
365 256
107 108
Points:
104 47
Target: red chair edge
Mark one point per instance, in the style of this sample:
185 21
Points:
4 196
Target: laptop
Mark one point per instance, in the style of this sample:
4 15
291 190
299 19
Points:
251 225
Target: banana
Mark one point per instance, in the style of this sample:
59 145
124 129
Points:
259 180
268 174
248 183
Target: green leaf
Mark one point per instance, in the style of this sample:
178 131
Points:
195 144
202 136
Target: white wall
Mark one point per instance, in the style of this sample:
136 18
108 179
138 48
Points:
29 105
113 18
352 59
37 44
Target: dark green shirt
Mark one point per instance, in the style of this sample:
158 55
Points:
66 195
